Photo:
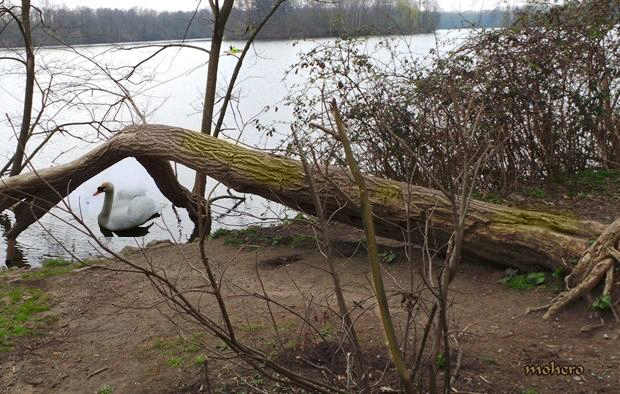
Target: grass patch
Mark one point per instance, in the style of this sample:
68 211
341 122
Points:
178 345
175 362
220 233
200 359
222 346
51 267
536 192
19 313
327 331
256 380
596 177
56 263
277 240
299 240
252 327
256 235
179 352
287 325
592 180
236 237
299 218
106 389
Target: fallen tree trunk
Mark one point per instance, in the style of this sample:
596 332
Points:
504 235
495 233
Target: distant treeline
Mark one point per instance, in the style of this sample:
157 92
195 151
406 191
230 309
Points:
294 19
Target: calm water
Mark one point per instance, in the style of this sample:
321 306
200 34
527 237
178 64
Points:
169 91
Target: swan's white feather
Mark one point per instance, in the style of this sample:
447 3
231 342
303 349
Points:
125 195
131 207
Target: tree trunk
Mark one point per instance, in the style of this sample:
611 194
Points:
221 17
495 233
24 133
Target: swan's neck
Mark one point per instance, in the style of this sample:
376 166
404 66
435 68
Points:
104 215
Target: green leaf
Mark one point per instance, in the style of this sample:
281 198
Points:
387 257
602 303
536 278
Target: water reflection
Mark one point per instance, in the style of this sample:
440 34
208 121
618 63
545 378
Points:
18 257
133 232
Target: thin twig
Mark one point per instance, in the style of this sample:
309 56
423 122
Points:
90 375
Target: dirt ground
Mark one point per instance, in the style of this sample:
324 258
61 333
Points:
113 332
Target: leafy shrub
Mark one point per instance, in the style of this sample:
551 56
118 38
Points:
544 93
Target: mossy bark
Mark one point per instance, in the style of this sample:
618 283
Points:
508 236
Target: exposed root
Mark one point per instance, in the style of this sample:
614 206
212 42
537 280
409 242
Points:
597 262
590 327
537 308
609 281
594 277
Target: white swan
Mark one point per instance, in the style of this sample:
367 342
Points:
126 209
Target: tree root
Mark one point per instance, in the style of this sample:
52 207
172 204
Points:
590 327
592 279
536 308
597 262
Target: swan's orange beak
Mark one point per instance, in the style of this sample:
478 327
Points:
97 192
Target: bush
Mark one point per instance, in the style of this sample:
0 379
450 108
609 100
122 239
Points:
543 93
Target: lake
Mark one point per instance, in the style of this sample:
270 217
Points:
168 90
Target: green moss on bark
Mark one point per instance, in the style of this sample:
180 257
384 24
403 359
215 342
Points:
267 170
556 223
386 193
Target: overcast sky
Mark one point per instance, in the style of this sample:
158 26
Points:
174 5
